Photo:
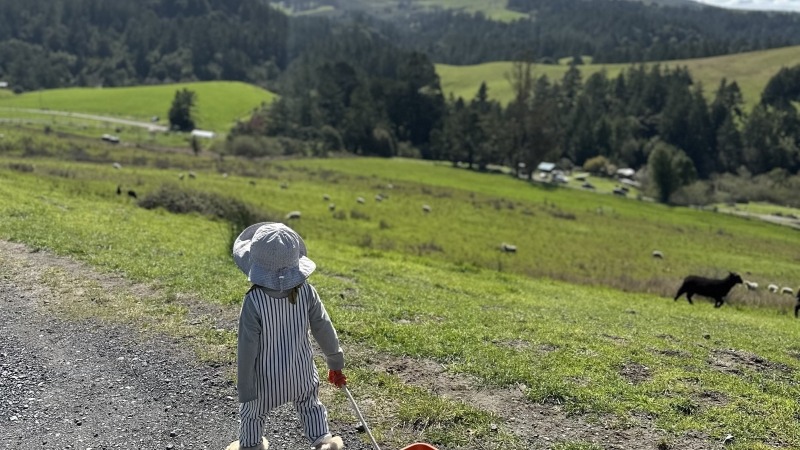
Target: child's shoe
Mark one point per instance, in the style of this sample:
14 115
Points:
264 445
334 443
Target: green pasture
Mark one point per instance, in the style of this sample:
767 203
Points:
219 103
581 316
750 70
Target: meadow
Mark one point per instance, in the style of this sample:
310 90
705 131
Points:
751 71
219 103
579 320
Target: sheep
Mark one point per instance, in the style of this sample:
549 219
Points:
332 206
284 186
508 248
658 254
787 290
326 197
192 175
797 305
293 215
119 190
426 208
117 165
708 287
772 288
587 185
751 285
180 176
620 192
378 198
132 194
360 200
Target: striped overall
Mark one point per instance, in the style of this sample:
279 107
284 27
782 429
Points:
276 364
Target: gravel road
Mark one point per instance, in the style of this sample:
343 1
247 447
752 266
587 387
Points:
88 385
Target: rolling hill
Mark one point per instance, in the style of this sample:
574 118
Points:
219 103
750 70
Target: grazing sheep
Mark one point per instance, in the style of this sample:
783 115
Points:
180 176
587 185
117 165
787 290
508 248
751 285
708 287
326 197
773 288
192 175
119 190
657 254
360 200
293 215
132 194
332 206
378 198
621 192
284 186
426 208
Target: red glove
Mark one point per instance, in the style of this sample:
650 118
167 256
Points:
337 378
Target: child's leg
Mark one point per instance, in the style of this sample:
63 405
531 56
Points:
313 416
251 429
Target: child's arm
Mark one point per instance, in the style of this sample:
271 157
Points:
247 351
324 333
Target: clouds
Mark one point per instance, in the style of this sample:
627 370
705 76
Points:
761 5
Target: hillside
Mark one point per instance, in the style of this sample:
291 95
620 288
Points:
574 336
750 70
219 104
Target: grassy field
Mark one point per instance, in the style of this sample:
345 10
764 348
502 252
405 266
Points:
219 103
579 320
751 71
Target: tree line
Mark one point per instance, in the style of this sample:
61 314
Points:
61 43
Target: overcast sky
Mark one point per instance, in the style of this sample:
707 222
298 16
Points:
764 5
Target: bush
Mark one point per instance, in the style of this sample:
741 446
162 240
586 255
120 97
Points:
596 165
237 214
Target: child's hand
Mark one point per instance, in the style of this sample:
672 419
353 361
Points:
337 378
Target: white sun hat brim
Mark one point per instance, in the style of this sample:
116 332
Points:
278 259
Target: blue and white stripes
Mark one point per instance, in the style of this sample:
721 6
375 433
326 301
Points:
276 364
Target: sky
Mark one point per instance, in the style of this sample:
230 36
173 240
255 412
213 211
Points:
763 5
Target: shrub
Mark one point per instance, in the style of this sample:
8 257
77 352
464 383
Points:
596 165
177 200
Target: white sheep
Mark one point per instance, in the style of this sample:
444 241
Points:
426 208
360 200
772 288
751 285
508 248
658 254
787 290
293 215
332 206
326 197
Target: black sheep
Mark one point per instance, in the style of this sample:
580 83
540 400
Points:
708 287
797 305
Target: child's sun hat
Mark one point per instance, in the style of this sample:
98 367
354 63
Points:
272 255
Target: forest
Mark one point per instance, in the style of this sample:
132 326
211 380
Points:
363 85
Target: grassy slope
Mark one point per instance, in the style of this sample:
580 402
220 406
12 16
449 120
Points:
750 70
396 282
219 103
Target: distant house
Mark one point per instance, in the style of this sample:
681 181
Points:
625 173
546 167
203 134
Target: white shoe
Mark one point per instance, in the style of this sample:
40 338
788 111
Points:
264 445
334 443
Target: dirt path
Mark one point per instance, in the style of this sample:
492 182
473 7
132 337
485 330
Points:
92 385
132 123
87 384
